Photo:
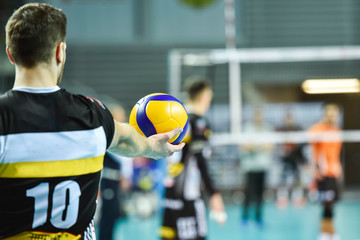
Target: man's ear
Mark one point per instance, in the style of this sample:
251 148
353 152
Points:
60 52
9 55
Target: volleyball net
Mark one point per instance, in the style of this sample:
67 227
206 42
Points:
229 119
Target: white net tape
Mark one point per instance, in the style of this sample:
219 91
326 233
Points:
285 137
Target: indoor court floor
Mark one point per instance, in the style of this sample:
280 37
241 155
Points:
288 224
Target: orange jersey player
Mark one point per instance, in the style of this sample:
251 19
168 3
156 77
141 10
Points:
328 170
327 154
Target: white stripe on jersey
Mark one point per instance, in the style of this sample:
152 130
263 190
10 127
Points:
201 217
52 146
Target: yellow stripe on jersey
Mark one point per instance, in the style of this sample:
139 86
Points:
52 168
44 236
174 169
167 232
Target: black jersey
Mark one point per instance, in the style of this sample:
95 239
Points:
52 146
184 215
192 166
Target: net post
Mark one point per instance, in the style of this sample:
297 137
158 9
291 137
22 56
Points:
235 95
174 73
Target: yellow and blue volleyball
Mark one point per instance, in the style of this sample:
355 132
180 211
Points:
159 113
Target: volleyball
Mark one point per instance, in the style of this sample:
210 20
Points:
159 113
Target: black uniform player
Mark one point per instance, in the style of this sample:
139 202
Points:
52 142
184 214
292 158
50 166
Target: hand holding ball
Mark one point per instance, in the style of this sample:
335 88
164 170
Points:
159 113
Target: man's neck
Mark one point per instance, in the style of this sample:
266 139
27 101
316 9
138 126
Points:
196 108
329 123
39 76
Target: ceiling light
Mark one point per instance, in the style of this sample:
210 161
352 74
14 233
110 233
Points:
327 86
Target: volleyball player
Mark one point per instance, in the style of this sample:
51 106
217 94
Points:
292 158
256 160
52 142
328 169
184 216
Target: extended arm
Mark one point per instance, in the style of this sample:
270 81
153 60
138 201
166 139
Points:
128 142
207 180
316 158
216 202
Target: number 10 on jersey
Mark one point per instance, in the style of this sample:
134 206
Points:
65 204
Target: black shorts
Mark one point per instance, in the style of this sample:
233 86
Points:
183 220
329 191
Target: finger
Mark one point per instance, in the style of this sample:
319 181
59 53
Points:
175 148
174 132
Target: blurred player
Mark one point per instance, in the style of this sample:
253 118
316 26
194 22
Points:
184 215
256 160
115 177
292 158
328 169
52 142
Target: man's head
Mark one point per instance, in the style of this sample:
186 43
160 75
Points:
258 116
331 113
199 92
289 119
35 35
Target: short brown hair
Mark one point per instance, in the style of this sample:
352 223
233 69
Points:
194 85
32 33
331 105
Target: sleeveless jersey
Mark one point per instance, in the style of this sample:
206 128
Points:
52 146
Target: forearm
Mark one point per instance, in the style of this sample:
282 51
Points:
316 162
207 180
316 155
128 142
